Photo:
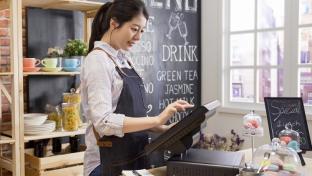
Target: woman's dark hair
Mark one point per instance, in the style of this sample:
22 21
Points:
120 10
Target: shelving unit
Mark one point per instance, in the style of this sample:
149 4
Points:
6 140
6 164
79 5
17 139
54 134
6 73
11 93
51 73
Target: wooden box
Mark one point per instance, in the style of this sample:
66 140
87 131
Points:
69 164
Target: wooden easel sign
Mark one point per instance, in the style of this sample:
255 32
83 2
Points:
288 111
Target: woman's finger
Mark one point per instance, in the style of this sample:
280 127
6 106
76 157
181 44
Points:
182 101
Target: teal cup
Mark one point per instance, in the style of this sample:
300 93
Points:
71 63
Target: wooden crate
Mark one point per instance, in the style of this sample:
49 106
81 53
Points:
69 164
68 171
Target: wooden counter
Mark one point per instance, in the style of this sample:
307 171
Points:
307 169
160 171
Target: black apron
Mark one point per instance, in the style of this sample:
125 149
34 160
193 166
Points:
116 153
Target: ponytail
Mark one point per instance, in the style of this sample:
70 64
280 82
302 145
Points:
120 10
100 25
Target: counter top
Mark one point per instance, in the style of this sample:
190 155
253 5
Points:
161 171
306 169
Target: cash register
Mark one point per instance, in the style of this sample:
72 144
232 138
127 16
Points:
186 161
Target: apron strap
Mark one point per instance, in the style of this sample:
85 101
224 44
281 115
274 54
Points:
134 70
98 48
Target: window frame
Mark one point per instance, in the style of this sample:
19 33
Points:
290 66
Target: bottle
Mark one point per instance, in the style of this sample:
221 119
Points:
56 145
39 149
74 144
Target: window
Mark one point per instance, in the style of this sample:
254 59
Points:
267 50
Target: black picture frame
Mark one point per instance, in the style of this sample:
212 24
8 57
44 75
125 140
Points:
276 125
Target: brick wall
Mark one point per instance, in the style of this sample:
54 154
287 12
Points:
5 40
5 65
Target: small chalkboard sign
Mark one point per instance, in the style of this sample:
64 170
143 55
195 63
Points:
282 111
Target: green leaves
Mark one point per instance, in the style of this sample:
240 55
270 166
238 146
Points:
75 48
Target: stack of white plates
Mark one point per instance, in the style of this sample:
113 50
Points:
47 127
36 123
35 118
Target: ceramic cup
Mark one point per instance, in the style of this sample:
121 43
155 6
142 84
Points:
49 62
71 63
30 62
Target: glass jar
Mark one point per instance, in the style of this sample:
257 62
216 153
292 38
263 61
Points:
70 116
276 159
252 124
73 97
55 114
290 138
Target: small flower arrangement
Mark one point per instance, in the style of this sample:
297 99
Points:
55 52
75 48
217 142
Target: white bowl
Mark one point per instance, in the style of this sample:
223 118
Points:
35 118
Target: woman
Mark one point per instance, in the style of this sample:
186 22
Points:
113 93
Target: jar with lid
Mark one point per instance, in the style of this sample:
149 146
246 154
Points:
290 138
70 116
73 97
54 114
276 159
252 124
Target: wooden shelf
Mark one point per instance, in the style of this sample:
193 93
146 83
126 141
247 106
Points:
6 163
79 5
55 134
6 73
50 73
6 140
4 4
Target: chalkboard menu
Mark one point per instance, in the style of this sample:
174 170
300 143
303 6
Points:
168 55
289 112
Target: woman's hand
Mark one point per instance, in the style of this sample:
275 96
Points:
131 124
171 109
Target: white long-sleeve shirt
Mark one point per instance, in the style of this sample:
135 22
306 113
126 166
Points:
101 86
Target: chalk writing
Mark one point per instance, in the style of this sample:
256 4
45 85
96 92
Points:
284 109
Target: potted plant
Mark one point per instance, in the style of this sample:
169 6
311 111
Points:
74 48
74 52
